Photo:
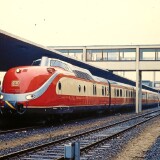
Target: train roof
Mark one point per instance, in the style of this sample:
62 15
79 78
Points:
78 71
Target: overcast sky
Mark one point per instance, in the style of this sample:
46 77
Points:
82 22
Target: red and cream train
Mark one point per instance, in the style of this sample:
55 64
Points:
51 86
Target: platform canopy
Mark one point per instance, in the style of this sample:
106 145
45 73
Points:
15 51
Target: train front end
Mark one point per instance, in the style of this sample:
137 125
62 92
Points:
23 87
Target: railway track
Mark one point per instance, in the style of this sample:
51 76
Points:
55 148
21 129
41 126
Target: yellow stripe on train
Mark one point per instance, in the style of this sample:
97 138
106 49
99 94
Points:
10 105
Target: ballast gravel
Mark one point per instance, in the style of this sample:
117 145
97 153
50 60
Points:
154 151
18 141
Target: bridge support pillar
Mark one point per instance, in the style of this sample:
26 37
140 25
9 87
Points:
138 84
154 77
139 92
84 54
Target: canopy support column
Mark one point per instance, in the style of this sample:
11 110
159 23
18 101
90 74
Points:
138 84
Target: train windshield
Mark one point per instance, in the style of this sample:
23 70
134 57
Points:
55 63
36 63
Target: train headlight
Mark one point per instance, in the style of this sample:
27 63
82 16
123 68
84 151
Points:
1 96
18 70
30 97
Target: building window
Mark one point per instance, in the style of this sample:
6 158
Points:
105 55
147 54
113 55
158 54
94 55
127 54
74 53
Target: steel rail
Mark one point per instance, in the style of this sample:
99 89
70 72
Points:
90 146
20 129
31 149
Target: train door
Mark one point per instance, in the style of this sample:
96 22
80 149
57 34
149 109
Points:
109 94
132 96
158 97
146 98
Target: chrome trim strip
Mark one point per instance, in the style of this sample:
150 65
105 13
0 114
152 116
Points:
37 93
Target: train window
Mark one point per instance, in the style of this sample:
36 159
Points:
59 64
134 94
131 94
36 63
126 93
105 91
59 86
102 90
83 75
120 92
117 92
84 88
93 90
79 88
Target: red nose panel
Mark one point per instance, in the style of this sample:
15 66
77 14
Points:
25 79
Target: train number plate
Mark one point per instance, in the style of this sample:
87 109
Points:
15 83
